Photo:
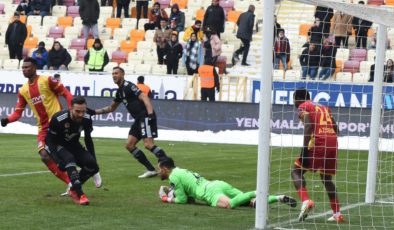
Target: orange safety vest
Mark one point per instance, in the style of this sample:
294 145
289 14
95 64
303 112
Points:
144 88
206 76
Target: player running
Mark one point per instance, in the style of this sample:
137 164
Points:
319 152
145 125
62 143
41 93
186 186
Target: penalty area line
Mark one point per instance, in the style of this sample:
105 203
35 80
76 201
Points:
23 173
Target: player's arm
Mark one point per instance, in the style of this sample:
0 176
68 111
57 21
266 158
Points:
334 125
108 109
88 139
147 103
59 89
51 138
305 118
16 115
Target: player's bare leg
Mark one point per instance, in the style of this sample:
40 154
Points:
300 185
333 196
140 156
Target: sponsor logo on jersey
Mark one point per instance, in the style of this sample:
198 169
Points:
67 125
38 99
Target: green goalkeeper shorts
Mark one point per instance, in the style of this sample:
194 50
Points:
216 189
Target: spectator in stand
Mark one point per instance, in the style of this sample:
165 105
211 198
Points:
325 15
361 28
56 2
315 33
277 26
123 4
141 5
196 28
327 62
40 55
58 57
372 43
97 57
245 25
107 2
156 14
173 52
389 71
309 60
176 19
89 10
212 46
15 36
341 28
193 56
40 7
23 7
143 87
282 50
214 17
161 37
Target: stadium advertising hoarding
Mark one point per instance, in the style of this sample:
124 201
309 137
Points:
331 94
220 116
101 85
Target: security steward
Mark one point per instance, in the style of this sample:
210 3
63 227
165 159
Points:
97 57
144 88
209 80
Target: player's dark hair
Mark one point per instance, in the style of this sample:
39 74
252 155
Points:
78 100
302 94
119 68
31 60
167 162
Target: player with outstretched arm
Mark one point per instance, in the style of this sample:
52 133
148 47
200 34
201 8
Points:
319 152
186 186
145 125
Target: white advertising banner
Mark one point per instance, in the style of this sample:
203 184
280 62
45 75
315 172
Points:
101 85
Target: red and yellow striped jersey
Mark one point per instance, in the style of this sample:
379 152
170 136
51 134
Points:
43 98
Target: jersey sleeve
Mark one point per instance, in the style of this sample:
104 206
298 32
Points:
302 111
51 137
19 107
88 128
179 191
135 90
117 97
57 87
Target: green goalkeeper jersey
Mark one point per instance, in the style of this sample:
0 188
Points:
187 184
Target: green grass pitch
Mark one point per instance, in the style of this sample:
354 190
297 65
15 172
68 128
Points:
126 202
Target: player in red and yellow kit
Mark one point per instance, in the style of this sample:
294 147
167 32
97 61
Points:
41 93
319 152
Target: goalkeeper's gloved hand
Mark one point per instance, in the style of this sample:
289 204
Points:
304 157
151 118
164 196
4 122
90 111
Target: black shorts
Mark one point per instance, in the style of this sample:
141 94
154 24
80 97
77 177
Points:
143 128
78 155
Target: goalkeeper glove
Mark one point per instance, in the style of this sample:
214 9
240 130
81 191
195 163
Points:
166 198
304 157
4 122
151 118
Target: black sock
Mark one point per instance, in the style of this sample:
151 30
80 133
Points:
86 173
74 177
140 156
159 153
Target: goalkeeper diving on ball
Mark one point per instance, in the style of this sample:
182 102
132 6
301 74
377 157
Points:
187 186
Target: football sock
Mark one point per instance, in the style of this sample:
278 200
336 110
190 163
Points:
272 199
86 173
242 198
140 156
334 203
303 194
160 154
52 166
74 177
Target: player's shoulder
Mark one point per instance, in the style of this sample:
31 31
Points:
61 116
87 117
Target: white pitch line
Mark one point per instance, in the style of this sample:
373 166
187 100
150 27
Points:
383 201
23 173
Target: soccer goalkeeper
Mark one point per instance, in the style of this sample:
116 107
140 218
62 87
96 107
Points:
186 185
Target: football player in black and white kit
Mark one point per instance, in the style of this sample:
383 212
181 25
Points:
62 142
145 126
